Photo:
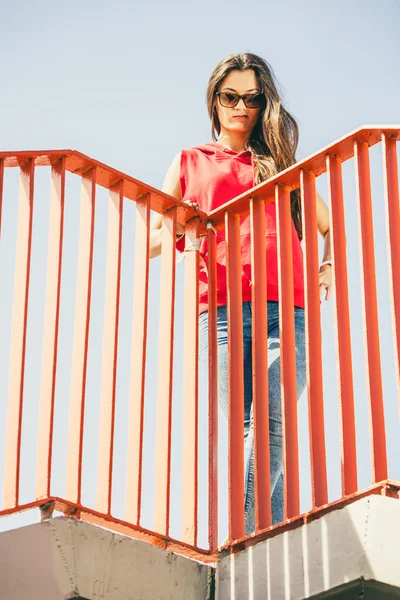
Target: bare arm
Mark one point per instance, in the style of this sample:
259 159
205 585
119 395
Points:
325 272
323 226
171 186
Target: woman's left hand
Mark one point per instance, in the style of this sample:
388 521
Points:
325 281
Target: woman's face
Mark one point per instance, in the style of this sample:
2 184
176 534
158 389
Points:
239 118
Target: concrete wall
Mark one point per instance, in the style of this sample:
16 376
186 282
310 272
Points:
63 558
359 542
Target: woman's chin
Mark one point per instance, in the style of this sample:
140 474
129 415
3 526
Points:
238 127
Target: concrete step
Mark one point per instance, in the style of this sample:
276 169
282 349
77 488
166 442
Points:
348 553
64 558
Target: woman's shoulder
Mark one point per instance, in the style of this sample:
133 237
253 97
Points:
207 148
192 157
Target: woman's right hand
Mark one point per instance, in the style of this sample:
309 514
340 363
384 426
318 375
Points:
180 229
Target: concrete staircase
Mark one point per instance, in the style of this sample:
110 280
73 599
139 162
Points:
351 553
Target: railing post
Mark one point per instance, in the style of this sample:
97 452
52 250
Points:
212 389
138 362
392 209
370 313
110 348
51 327
262 486
18 336
342 327
288 356
81 337
313 340
235 378
165 367
190 386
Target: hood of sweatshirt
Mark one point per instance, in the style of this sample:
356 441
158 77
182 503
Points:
221 152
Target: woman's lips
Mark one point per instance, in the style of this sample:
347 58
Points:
240 117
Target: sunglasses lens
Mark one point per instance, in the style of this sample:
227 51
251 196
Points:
254 101
227 99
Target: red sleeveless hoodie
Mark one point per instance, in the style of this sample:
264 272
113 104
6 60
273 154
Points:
212 175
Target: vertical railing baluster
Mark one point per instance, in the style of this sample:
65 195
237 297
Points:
288 356
235 378
392 203
81 337
51 327
262 486
110 349
313 340
342 327
190 387
212 389
138 362
165 368
18 336
370 313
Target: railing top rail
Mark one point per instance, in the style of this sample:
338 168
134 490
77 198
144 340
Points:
136 190
106 176
290 177
57 349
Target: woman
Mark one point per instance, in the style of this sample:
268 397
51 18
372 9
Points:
254 138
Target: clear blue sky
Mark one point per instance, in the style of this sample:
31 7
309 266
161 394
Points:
125 83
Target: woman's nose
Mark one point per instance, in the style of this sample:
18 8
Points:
241 101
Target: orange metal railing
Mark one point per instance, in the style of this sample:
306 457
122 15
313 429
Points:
123 188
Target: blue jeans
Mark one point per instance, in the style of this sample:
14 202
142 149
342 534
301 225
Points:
274 394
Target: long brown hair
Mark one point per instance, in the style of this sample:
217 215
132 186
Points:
274 139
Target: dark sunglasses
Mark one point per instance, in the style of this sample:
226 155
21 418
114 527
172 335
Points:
229 99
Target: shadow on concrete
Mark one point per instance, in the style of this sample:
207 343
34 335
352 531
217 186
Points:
314 559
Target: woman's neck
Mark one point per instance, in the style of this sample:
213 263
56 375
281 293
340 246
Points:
236 143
